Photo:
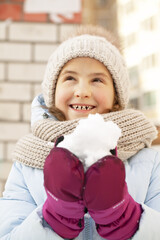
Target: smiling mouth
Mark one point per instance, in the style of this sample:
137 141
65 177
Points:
82 107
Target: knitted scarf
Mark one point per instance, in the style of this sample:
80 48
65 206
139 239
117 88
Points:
137 133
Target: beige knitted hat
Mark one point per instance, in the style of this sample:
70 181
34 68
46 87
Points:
87 46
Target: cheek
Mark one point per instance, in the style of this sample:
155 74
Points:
58 97
106 97
61 96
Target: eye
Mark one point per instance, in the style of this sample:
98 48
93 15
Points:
69 78
97 80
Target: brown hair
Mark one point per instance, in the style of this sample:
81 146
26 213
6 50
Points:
96 31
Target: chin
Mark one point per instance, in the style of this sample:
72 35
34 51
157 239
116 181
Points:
73 117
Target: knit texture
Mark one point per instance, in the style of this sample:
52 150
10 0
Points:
87 46
137 133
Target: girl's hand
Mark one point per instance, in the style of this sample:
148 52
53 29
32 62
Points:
105 180
108 201
63 182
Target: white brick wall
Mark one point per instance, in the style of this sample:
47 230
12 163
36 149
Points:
4 171
15 52
13 131
2 30
43 51
36 89
4 168
64 31
1 152
26 72
10 111
30 32
2 71
26 112
10 146
24 52
15 91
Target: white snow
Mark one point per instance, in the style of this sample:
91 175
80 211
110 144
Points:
92 139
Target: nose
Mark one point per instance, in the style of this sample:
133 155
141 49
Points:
82 90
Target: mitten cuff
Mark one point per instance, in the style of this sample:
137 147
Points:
64 208
119 222
65 227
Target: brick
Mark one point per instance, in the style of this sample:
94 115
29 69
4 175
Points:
27 112
37 90
33 32
12 11
13 131
26 72
65 30
38 17
15 92
10 150
42 52
2 71
77 17
15 52
1 152
17 1
4 170
2 30
10 111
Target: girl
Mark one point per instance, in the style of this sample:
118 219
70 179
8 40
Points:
48 195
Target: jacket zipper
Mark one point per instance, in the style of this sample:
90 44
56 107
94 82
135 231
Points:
87 229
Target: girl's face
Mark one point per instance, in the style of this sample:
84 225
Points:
84 87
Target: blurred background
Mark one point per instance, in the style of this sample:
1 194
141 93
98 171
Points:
31 29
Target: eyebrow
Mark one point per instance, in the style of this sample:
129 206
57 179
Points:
100 74
92 74
68 72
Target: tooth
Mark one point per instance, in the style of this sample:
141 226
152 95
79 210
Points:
77 107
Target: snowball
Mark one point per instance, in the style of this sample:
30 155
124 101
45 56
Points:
92 139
